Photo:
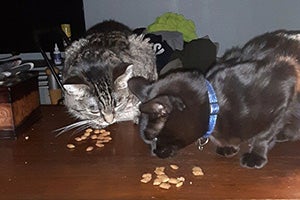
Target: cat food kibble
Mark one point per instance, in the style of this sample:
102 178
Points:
174 167
179 184
97 131
87 134
165 186
83 137
146 175
173 181
89 148
146 178
97 136
182 179
159 170
71 146
162 180
99 145
94 137
197 171
157 181
89 130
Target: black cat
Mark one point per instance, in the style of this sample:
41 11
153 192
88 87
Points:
252 95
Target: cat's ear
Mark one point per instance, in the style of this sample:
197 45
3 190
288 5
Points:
138 86
121 81
75 86
78 90
122 68
161 106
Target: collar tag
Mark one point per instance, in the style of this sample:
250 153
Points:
202 142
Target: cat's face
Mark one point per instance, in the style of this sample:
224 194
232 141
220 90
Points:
168 122
83 102
160 127
91 95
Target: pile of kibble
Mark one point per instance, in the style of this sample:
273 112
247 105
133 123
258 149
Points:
101 136
162 180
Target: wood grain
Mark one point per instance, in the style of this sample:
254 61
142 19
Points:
38 165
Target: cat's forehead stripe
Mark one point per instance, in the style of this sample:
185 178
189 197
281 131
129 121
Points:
103 95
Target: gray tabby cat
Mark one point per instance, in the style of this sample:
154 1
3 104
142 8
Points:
96 70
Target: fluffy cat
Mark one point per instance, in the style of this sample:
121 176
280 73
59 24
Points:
257 89
95 74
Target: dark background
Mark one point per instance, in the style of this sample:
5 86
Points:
23 20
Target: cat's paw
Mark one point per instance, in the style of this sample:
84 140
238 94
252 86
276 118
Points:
136 120
253 160
227 151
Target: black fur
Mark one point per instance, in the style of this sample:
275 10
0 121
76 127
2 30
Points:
258 90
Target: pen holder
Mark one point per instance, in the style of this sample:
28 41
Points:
54 90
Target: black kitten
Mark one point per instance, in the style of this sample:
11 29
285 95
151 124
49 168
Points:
258 92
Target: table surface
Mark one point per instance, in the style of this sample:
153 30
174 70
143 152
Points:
38 165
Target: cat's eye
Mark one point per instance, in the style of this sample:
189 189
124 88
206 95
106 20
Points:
93 108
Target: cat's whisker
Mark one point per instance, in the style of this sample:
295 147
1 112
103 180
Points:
79 125
81 128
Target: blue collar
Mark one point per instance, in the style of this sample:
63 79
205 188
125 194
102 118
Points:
214 109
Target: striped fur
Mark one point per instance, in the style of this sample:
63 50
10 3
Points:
97 68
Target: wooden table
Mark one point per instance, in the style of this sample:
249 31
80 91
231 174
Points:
39 166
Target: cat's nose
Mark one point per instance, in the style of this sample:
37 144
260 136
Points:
109 117
165 152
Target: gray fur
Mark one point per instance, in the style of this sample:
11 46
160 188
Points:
95 94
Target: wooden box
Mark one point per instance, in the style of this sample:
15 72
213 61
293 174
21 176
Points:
19 104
